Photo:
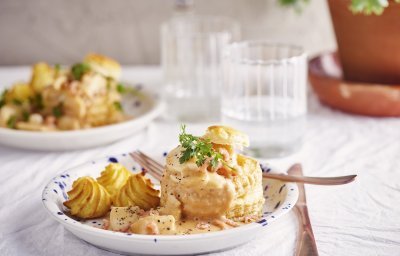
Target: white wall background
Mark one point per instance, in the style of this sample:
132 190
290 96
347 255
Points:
61 31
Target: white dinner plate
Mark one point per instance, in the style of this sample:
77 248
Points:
280 198
143 108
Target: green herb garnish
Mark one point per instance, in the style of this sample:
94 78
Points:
17 102
200 148
79 69
3 98
57 69
25 116
109 80
37 101
57 111
121 88
11 122
118 106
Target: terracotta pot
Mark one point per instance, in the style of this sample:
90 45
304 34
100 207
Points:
369 46
354 97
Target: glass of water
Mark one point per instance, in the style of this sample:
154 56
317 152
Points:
192 48
264 95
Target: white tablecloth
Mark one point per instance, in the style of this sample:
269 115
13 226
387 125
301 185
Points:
362 218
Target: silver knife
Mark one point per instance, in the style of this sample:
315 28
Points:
305 245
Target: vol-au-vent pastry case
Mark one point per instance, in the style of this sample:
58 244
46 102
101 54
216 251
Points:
233 190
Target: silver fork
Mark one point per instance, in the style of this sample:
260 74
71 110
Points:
150 165
156 170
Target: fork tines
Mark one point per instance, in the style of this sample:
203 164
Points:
150 165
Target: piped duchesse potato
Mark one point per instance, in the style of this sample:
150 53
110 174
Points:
137 191
113 178
127 192
88 199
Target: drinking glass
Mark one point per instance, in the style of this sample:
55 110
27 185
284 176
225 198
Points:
264 95
192 48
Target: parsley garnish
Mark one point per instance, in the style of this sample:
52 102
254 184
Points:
25 116
57 111
57 69
109 80
3 98
11 122
197 147
118 106
78 70
17 102
37 101
121 88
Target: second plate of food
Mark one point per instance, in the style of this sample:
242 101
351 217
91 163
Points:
69 108
198 207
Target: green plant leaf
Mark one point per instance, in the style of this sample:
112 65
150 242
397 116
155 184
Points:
298 5
368 7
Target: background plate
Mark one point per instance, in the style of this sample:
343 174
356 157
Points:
143 108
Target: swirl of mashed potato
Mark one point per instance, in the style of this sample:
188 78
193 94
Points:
113 177
189 191
88 199
137 191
